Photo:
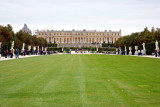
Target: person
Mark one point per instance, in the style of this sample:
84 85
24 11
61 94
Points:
141 52
16 54
11 53
24 52
155 52
122 52
6 54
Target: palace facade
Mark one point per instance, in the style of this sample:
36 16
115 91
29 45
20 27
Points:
75 38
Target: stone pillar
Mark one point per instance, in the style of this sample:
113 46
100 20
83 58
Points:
48 39
113 40
105 40
110 40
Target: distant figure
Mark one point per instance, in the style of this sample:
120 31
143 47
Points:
6 53
142 52
155 52
11 53
122 52
139 52
24 52
16 54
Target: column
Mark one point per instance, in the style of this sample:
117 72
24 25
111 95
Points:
110 40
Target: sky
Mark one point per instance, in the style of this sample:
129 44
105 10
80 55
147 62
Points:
128 15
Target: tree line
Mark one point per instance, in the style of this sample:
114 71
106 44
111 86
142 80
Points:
136 39
7 35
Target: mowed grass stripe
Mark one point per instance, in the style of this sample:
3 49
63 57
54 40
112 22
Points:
80 80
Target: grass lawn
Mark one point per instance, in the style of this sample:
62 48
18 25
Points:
80 80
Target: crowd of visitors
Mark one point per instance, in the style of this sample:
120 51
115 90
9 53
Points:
11 53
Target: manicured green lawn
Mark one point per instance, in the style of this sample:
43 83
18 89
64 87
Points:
80 80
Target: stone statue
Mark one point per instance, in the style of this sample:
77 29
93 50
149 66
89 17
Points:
116 51
157 47
144 49
144 46
12 45
34 48
38 48
29 47
130 50
46 49
120 50
136 52
23 46
125 50
156 44
42 48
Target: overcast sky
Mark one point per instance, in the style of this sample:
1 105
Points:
127 15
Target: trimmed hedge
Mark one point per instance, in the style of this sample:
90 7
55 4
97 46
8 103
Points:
88 48
54 49
106 49
107 45
52 45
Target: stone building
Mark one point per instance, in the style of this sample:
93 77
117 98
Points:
75 38
25 29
